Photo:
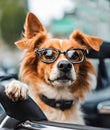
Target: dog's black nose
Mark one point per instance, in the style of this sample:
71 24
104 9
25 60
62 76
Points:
64 66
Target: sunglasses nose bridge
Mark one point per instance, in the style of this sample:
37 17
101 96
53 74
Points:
63 52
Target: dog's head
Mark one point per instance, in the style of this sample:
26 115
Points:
55 62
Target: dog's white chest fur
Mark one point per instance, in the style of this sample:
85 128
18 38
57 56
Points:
73 115
65 117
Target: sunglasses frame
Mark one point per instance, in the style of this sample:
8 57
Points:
38 52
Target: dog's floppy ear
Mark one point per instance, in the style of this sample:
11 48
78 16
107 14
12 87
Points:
32 27
90 41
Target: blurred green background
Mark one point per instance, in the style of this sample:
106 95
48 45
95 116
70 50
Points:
12 14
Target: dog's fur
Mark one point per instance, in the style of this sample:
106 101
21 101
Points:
35 74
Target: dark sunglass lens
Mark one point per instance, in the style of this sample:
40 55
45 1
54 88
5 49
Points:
72 54
75 56
49 55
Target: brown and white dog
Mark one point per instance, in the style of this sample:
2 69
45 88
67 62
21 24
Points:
54 72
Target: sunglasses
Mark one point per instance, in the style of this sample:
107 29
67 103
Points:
50 55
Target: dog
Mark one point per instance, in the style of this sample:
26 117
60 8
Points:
54 72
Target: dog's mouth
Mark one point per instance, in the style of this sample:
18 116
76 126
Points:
62 79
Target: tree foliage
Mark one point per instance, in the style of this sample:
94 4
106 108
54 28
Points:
12 19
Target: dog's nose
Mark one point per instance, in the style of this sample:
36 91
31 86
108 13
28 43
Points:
64 66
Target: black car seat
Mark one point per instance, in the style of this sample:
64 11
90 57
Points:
97 104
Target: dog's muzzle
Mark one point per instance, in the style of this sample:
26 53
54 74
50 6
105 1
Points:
64 73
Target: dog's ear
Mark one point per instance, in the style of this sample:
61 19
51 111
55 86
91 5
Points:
32 26
90 41
21 44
